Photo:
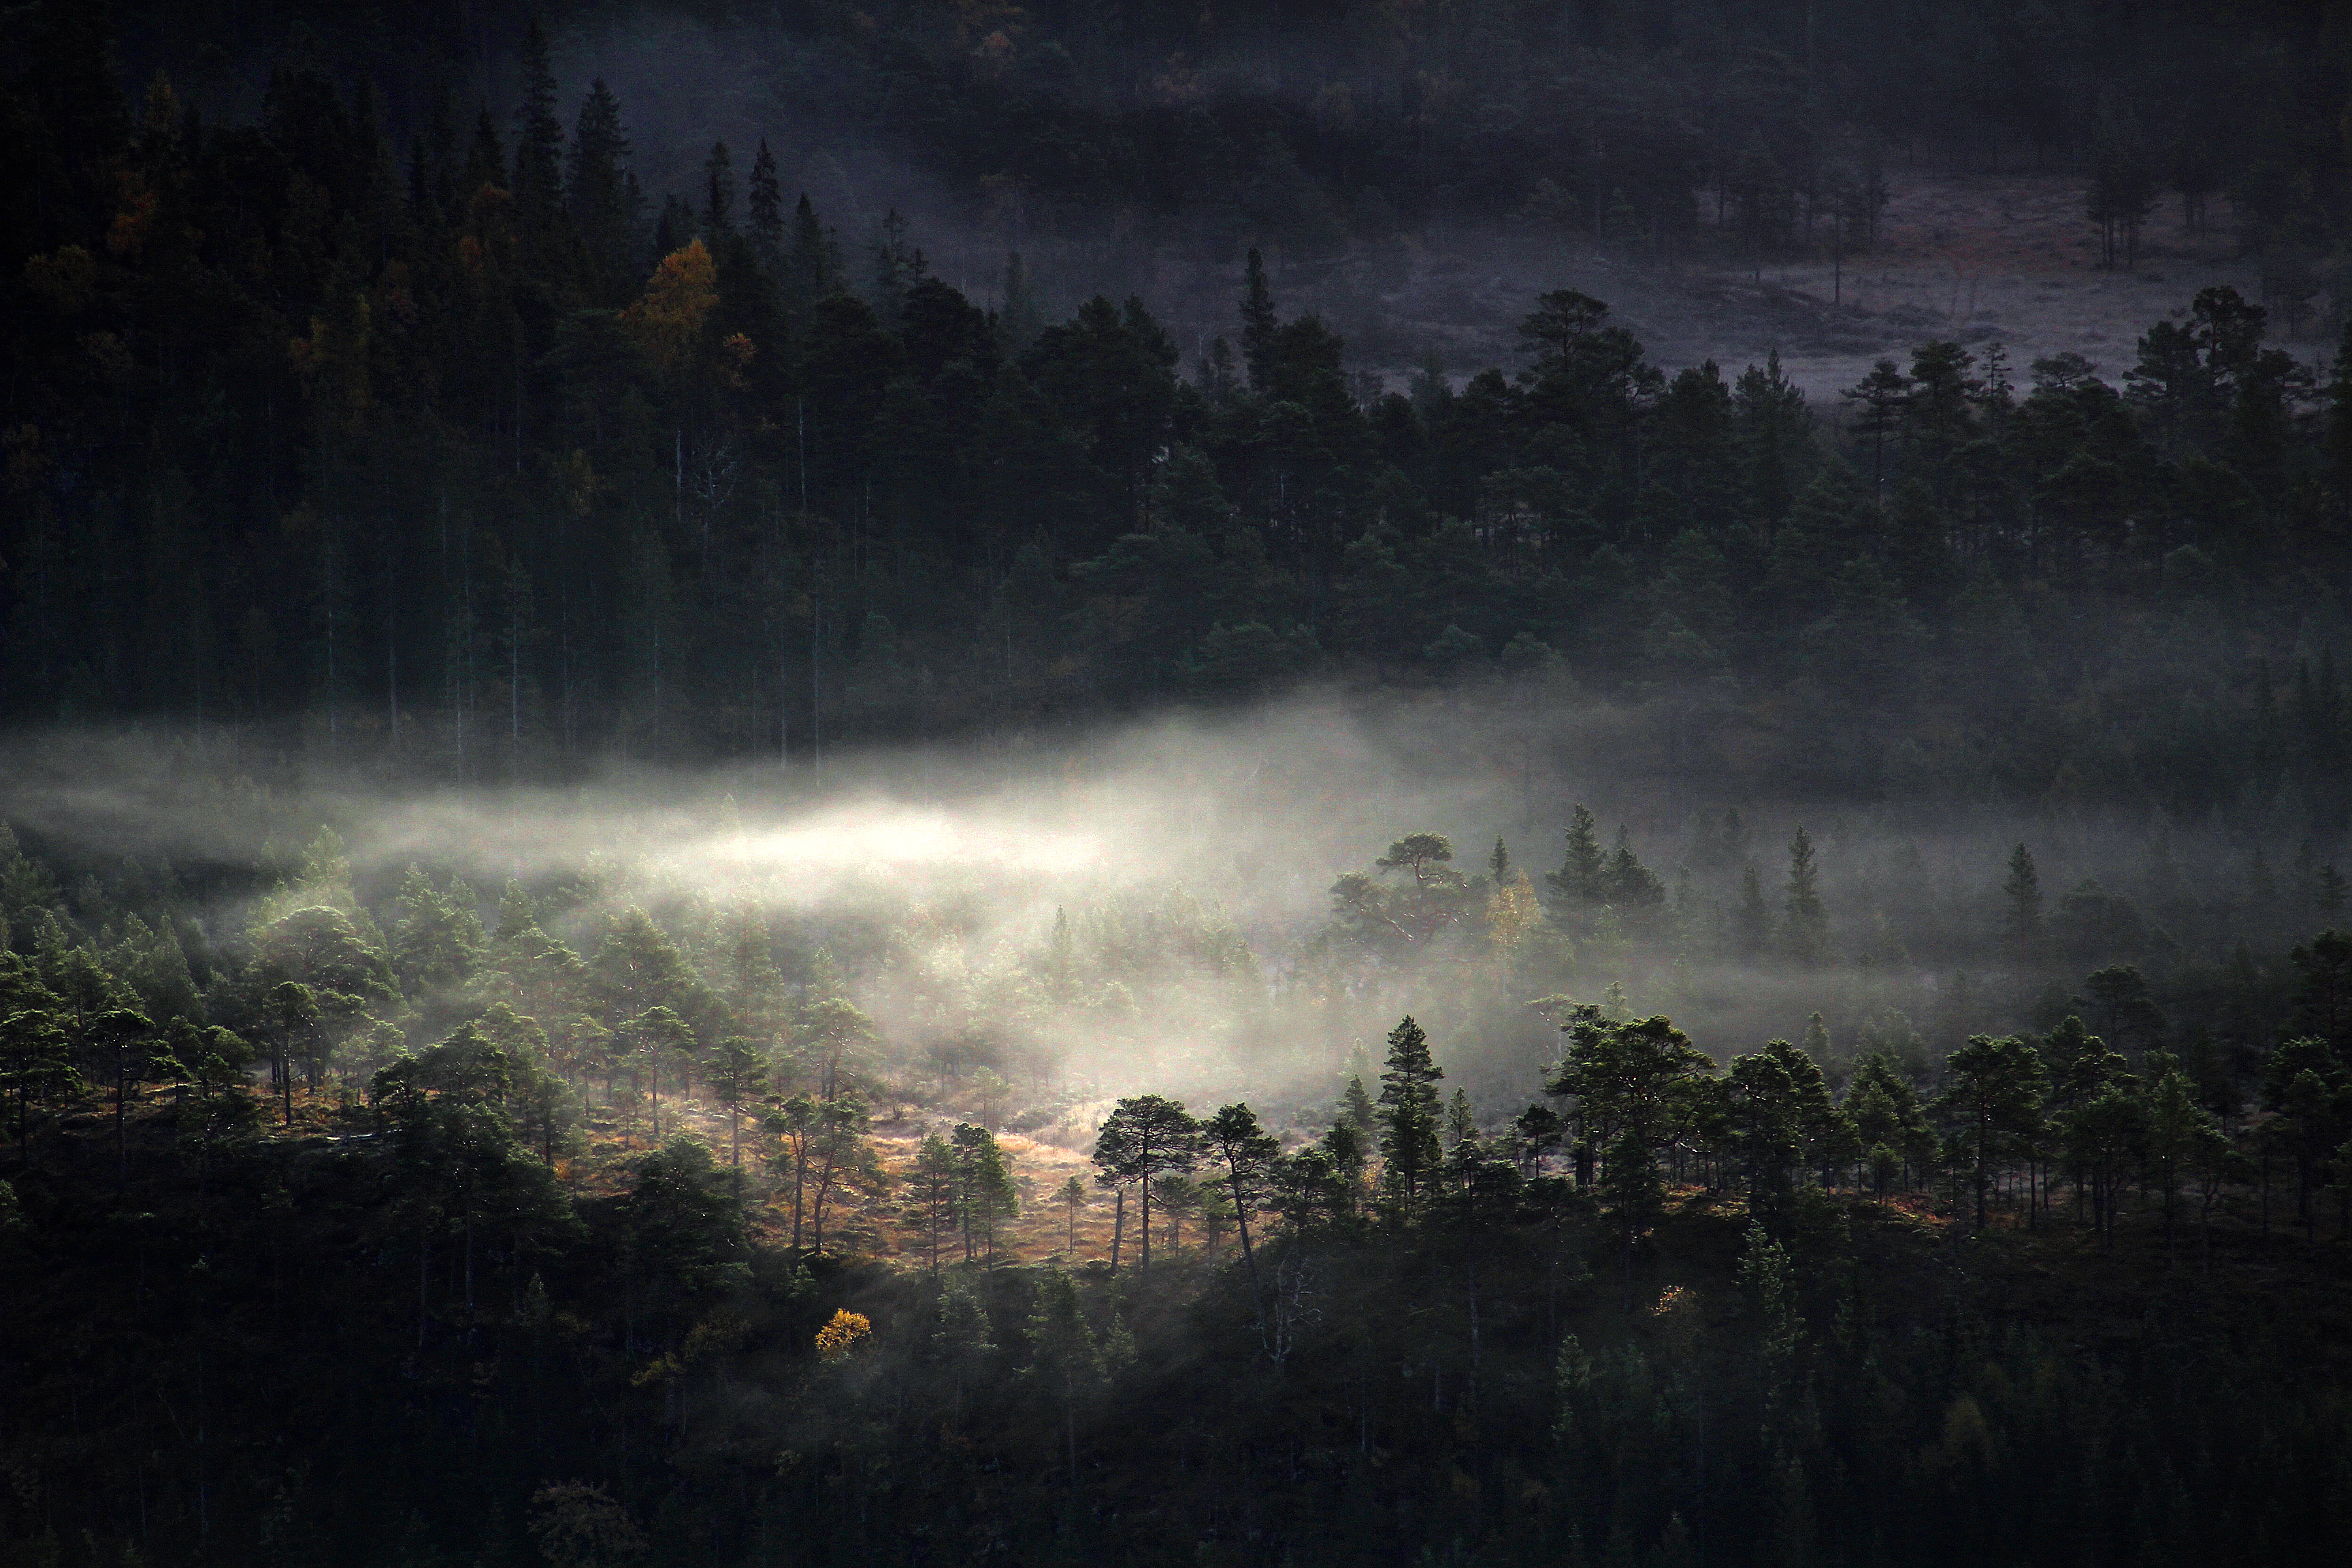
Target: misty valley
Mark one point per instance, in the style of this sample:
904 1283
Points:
1350 783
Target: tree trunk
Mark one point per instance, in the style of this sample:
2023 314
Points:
1146 1185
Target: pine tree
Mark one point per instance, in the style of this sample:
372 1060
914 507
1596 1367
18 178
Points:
35 1063
763 208
1752 921
2022 892
1232 1140
1628 886
1580 881
810 269
1019 319
1807 928
717 192
539 148
2338 427
1995 1089
1774 429
486 161
1146 1137
1408 1118
607 208
932 1183
2327 891
1259 321
1072 1196
1881 396
737 1072
899 265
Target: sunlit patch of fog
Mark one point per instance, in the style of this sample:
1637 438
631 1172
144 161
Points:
934 874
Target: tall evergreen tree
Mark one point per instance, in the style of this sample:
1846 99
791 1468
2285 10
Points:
1806 927
1410 1148
2021 897
606 207
538 150
1581 878
763 209
1259 321
717 193
1146 1137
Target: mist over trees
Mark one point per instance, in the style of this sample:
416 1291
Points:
705 872
458 450
378 1182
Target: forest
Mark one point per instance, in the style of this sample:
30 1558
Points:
783 819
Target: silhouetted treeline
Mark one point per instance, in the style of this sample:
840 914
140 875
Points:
1304 125
461 452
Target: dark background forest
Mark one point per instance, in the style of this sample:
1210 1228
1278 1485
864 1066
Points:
674 677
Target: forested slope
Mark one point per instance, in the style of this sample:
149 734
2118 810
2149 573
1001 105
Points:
472 1242
450 450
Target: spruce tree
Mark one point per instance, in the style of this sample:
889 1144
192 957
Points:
606 207
1752 921
717 192
1259 321
2327 891
1807 929
763 208
486 161
539 148
1409 1115
1880 399
809 268
1019 318
1580 881
2021 893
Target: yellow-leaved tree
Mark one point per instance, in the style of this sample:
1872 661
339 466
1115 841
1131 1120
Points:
843 1334
667 321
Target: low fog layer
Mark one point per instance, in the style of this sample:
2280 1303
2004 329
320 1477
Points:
1152 907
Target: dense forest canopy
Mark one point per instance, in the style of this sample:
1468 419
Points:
729 843
459 449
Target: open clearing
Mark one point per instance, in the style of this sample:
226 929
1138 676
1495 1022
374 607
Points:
2005 258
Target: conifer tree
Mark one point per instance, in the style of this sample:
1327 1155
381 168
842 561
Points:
932 1181
486 161
1146 1137
737 1073
1580 879
2021 895
1259 321
810 268
1806 930
607 208
1019 319
1995 1089
717 193
1410 1149
763 209
1067 1357
1752 920
538 150
36 1062
1880 398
